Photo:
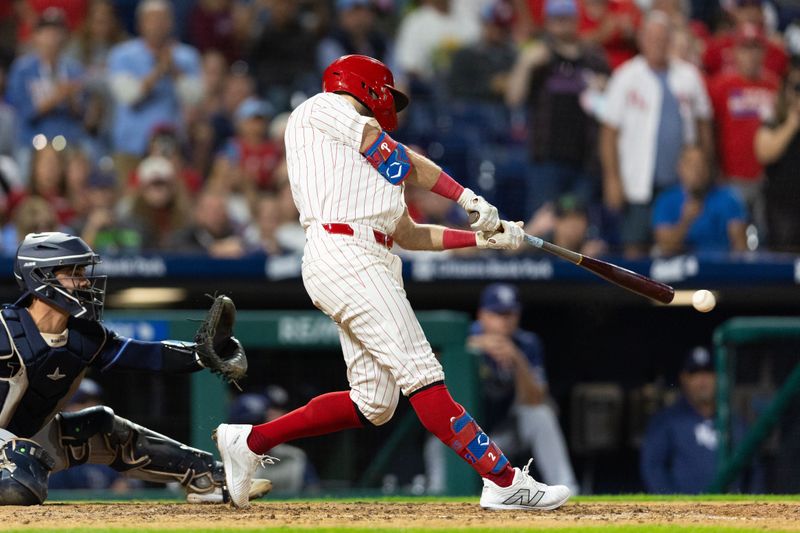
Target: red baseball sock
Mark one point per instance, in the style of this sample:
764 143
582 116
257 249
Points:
437 411
327 413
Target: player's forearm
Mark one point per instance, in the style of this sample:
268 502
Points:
426 172
429 237
170 357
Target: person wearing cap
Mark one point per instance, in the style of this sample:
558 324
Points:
251 150
777 146
355 32
45 87
294 473
152 78
679 450
549 79
479 72
744 98
720 54
515 393
698 215
159 206
654 105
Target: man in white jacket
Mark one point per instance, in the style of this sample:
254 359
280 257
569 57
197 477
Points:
655 105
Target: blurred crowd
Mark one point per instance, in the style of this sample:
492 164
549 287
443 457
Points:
642 127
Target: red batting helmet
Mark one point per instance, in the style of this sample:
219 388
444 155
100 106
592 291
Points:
370 82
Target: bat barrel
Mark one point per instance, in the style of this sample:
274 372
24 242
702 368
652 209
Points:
630 280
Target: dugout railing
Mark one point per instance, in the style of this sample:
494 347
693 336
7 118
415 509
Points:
728 337
311 330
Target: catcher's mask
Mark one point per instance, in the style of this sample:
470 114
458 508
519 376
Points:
370 82
79 292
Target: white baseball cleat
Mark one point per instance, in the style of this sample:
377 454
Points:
523 493
239 461
259 488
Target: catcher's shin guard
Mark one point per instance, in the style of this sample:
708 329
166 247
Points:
24 470
137 451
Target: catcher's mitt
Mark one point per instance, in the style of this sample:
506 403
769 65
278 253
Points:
217 348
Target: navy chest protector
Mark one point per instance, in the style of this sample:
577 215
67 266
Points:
49 372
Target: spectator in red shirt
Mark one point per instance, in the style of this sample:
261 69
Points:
611 24
720 54
743 99
256 155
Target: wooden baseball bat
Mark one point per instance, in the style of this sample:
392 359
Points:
617 275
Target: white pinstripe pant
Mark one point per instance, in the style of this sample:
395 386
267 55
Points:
358 283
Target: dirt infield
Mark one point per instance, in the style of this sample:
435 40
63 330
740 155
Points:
774 516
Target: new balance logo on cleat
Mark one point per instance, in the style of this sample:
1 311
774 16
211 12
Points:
523 497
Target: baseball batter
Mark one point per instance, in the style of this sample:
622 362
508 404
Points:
347 177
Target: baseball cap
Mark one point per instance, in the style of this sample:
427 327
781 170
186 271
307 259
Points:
155 168
344 5
253 107
52 17
250 408
501 298
698 360
749 33
561 8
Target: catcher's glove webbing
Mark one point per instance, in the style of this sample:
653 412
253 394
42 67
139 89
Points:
217 349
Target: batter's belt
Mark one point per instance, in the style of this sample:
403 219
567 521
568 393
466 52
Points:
338 228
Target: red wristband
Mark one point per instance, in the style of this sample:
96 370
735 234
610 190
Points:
456 238
447 187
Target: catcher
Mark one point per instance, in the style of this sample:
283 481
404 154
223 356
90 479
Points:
49 339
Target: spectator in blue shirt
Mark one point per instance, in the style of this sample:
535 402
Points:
697 215
153 78
679 452
45 87
516 403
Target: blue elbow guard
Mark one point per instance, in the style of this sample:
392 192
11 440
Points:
390 158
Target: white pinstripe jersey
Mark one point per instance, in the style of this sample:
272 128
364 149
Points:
331 181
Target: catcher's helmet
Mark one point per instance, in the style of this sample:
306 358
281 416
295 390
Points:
370 82
39 257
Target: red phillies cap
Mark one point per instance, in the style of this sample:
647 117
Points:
749 33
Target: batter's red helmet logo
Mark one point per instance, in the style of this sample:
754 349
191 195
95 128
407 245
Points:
370 82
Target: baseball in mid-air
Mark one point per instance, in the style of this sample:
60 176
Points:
703 301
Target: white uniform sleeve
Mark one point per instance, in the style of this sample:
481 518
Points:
614 101
338 120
